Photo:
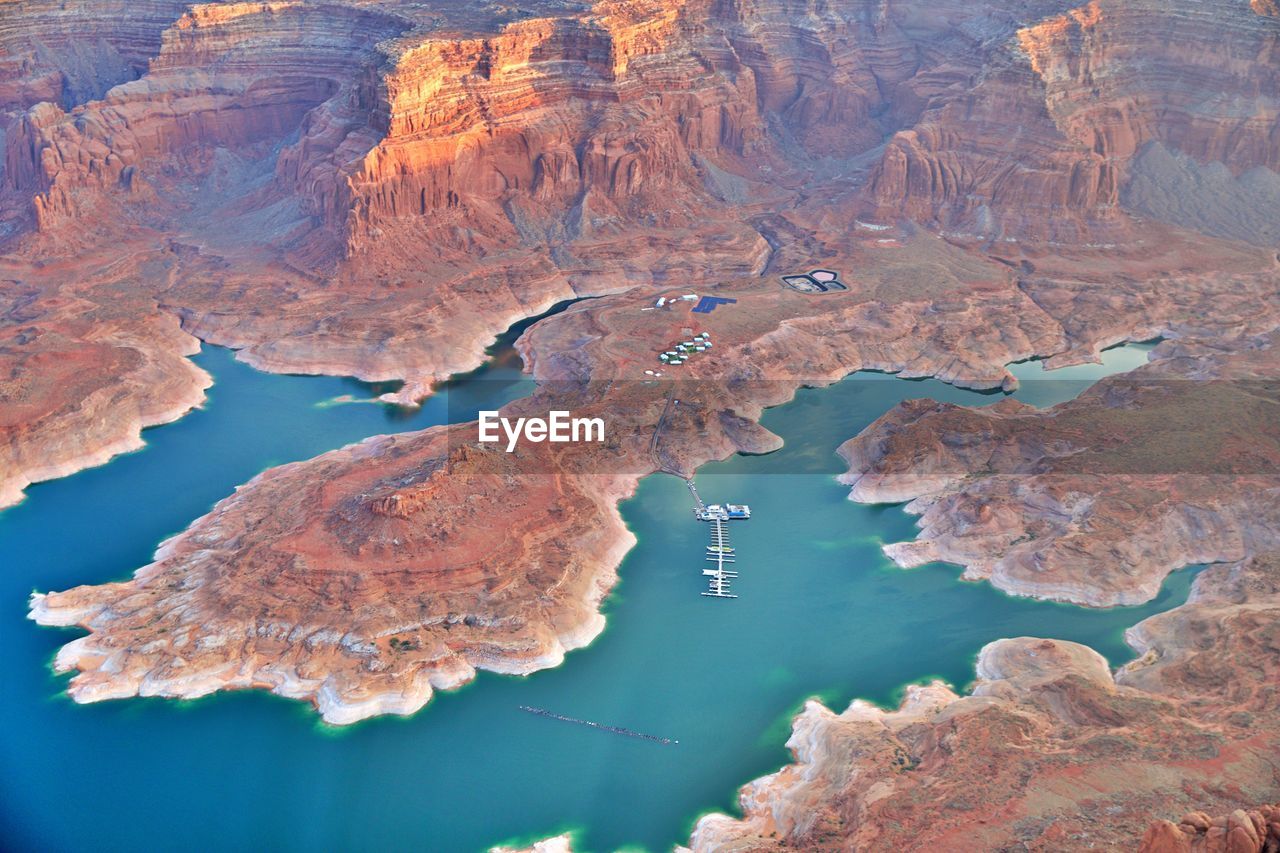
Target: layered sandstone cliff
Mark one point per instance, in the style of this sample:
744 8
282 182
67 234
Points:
1078 92
420 178
377 188
68 53
225 76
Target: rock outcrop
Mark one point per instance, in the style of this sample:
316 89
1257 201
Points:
1082 92
1049 750
555 844
79 384
367 578
333 580
421 177
1095 500
226 76
67 52
1252 831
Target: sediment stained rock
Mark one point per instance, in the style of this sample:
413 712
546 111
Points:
368 577
303 583
387 539
1049 750
377 189
77 391
1095 500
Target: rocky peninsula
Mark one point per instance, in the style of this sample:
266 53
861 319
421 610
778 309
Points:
1095 500
1049 749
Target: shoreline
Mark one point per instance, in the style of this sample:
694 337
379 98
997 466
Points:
335 711
127 437
832 751
342 706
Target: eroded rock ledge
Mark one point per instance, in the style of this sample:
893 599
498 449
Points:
528 162
302 580
1049 750
1241 831
378 188
366 578
1095 500
352 586
58 415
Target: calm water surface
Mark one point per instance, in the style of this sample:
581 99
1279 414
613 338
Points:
821 613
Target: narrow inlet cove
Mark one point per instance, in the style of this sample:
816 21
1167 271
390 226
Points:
821 613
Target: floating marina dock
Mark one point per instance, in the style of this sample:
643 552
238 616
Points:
617 730
719 552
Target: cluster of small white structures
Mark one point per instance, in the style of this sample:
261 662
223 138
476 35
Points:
680 353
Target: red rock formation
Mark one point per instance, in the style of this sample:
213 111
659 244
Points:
1252 831
267 573
71 51
226 76
1050 751
377 189
1267 8
1078 94
79 383
1094 500
1100 80
391 169
400 531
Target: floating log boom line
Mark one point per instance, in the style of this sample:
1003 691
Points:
617 730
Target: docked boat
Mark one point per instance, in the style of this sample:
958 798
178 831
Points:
723 512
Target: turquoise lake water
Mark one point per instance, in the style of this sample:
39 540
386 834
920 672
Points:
821 612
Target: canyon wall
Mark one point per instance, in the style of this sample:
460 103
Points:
225 76
552 125
556 129
68 52
537 128
1078 94
378 188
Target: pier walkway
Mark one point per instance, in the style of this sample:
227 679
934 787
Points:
719 552
698 506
